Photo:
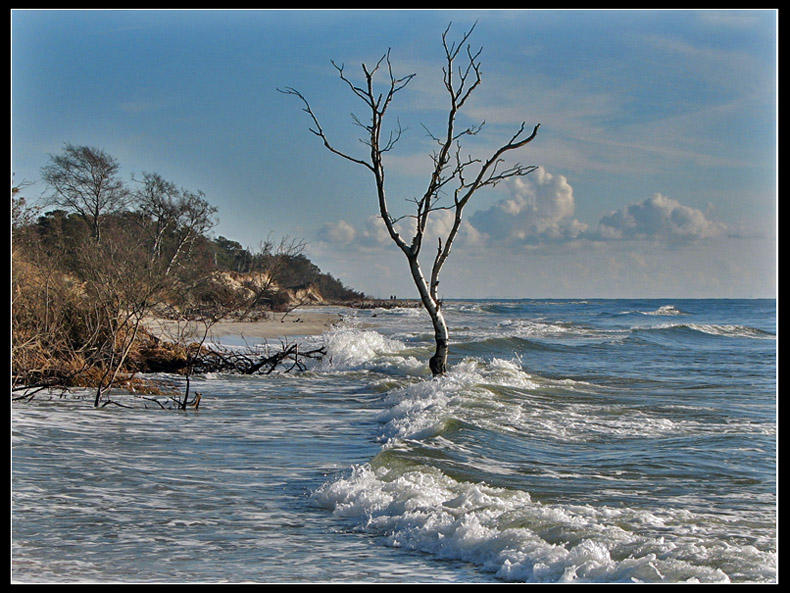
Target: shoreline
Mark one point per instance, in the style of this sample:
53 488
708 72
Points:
298 323
306 322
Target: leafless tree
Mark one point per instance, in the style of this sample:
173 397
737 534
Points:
22 214
171 219
130 272
85 180
453 174
190 329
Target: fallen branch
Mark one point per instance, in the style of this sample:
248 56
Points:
213 360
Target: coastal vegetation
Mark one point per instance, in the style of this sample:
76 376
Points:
99 257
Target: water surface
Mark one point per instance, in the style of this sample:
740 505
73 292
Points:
571 440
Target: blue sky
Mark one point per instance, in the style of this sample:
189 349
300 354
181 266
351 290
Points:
657 146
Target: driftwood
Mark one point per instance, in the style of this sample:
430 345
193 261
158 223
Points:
208 359
247 362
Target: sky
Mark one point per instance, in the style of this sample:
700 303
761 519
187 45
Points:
656 156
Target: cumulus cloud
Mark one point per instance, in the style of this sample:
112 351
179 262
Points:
441 222
658 217
373 232
337 232
540 208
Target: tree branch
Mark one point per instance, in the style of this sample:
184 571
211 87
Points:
319 131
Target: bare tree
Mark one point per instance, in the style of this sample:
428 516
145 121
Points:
453 173
128 273
85 180
190 329
172 219
22 214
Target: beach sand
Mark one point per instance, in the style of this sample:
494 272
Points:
297 323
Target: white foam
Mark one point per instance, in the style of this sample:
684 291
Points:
536 329
412 312
423 408
470 392
506 532
668 310
351 348
726 330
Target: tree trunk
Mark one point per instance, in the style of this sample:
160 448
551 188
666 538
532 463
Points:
438 362
96 400
183 404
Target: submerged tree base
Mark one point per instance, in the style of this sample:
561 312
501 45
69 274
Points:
438 362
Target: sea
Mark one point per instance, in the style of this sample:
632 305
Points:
571 441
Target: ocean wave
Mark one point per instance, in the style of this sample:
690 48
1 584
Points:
466 307
540 329
662 311
723 330
505 532
421 409
411 312
479 343
544 330
561 303
499 396
445 510
667 310
349 348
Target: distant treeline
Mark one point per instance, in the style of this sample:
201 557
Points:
101 255
297 272
60 231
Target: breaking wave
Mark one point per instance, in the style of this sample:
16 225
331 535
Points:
722 330
506 532
444 506
665 310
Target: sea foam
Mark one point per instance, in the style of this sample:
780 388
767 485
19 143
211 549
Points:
668 310
505 532
713 329
349 348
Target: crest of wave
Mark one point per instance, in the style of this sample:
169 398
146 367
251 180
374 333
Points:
412 312
725 330
668 310
421 409
351 347
505 532
470 392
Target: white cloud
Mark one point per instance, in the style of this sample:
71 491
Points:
658 217
540 208
373 233
540 212
338 232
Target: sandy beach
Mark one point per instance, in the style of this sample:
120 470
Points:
298 323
